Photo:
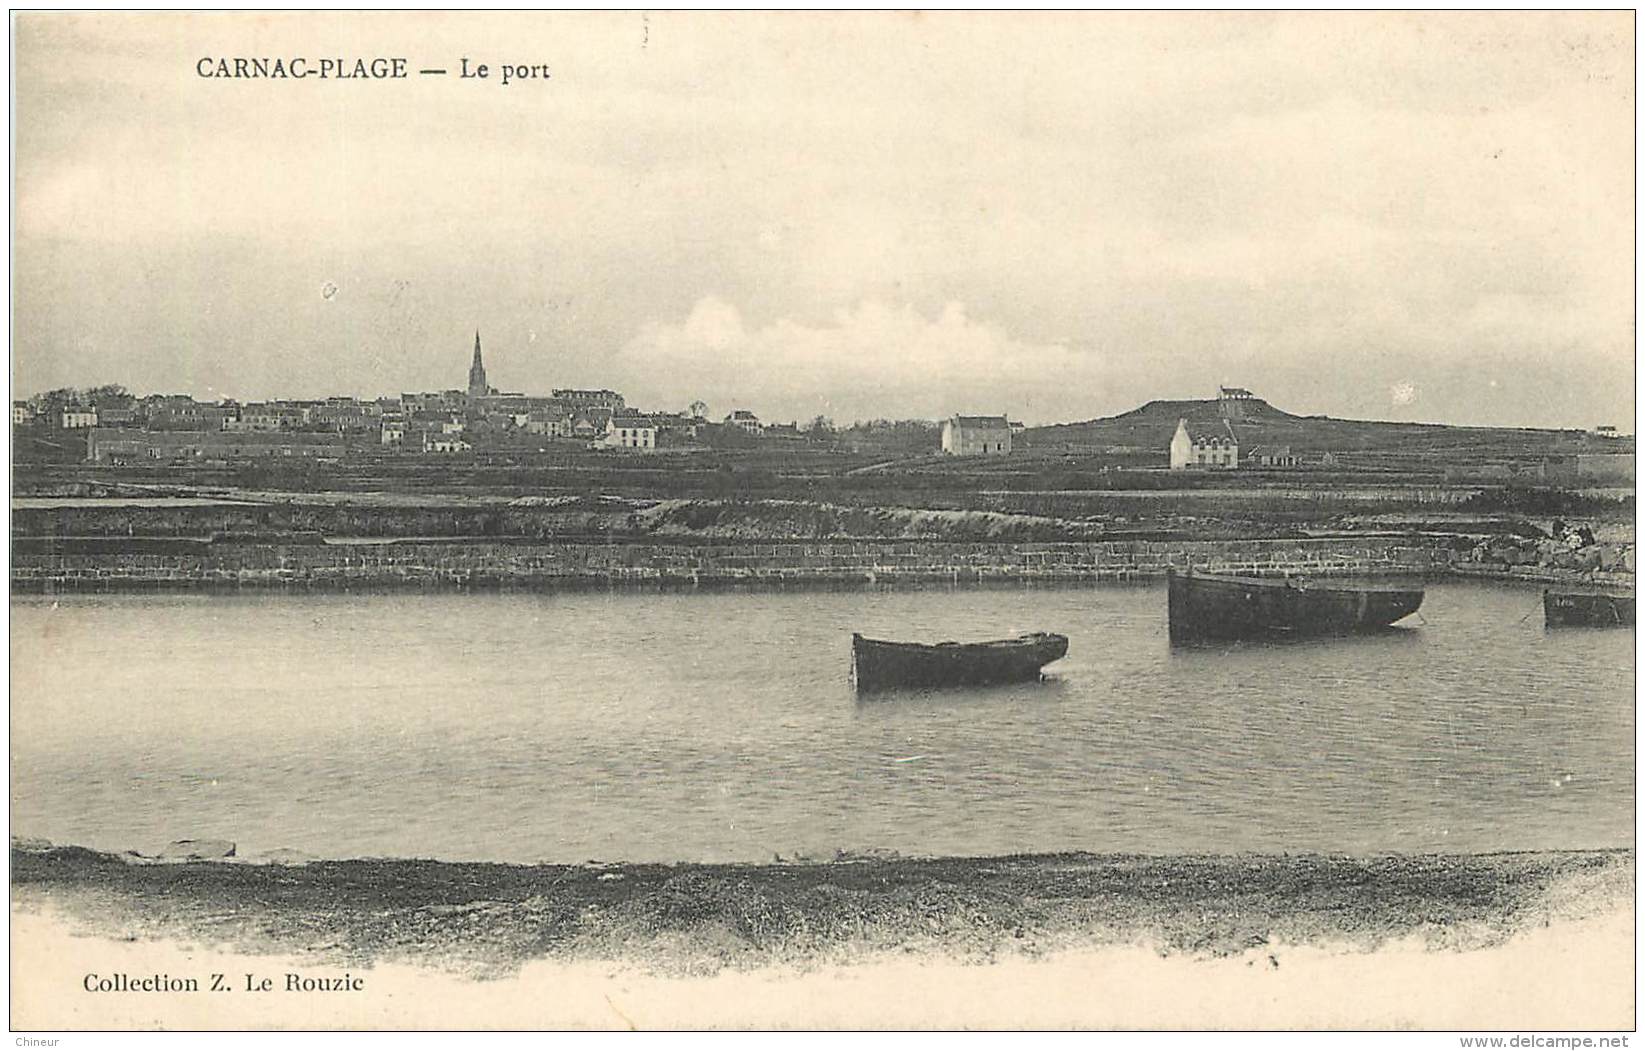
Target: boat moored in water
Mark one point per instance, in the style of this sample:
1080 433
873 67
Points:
1214 606
1587 608
878 664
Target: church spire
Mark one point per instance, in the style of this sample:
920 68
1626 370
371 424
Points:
477 386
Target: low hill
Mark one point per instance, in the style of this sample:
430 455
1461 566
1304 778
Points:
1150 427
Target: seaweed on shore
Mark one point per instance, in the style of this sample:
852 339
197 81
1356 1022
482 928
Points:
488 920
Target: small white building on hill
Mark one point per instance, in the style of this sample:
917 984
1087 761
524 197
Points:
1234 402
976 436
1204 447
630 432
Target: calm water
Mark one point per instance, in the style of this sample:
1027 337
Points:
724 727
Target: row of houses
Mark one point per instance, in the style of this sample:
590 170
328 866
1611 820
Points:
1212 447
1216 446
411 420
136 445
1198 446
179 412
448 421
132 445
335 415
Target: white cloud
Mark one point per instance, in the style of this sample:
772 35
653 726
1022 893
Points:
867 360
1129 206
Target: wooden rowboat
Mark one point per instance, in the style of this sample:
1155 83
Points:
1210 606
1587 608
883 665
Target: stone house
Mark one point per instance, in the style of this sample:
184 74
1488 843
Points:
976 436
630 432
1269 456
590 422
556 423
444 443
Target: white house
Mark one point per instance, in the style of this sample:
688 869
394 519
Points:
745 421
1204 446
976 436
77 417
394 431
444 443
630 432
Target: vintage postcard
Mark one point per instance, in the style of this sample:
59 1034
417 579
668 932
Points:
823 520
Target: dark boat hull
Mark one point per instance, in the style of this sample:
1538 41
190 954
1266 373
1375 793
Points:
1587 609
1217 607
879 665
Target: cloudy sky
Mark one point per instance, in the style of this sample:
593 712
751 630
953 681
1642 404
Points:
1058 216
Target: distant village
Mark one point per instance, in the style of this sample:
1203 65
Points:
119 427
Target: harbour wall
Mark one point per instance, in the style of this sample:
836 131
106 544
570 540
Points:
550 565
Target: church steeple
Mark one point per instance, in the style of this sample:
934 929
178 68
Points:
477 386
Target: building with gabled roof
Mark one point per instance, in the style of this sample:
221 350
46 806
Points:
630 432
1269 456
1198 445
122 445
976 436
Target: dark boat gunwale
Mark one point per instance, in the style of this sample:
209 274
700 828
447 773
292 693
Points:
1575 606
1221 606
881 663
1030 639
1336 585
1595 591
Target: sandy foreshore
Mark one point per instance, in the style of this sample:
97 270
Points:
1539 940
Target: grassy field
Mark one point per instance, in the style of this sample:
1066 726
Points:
1150 426
1103 478
1125 452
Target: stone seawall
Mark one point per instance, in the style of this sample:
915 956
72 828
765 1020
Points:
439 565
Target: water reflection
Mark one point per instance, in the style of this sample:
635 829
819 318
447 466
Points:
1393 633
674 727
1049 688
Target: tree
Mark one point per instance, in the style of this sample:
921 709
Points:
52 402
698 410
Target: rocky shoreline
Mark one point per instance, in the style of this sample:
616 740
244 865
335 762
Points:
485 920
